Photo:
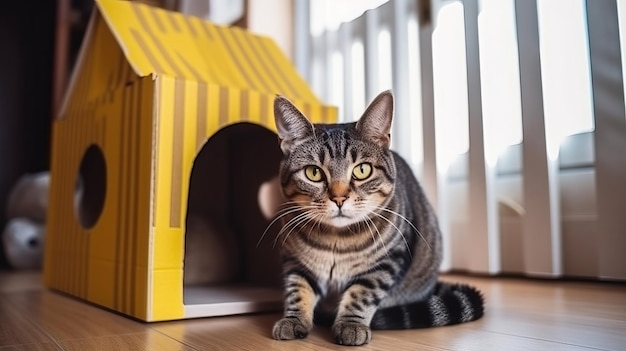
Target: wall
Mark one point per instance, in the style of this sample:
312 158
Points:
275 19
26 38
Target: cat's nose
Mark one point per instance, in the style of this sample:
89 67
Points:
339 200
338 192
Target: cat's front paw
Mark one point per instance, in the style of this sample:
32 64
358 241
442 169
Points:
290 328
351 333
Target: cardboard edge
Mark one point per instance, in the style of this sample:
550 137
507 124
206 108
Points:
153 169
232 300
86 44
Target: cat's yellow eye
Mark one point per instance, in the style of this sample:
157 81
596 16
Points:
313 173
362 171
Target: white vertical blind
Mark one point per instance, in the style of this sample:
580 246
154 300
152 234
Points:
541 225
345 48
450 125
610 141
433 175
401 140
483 227
371 53
302 46
621 14
499 73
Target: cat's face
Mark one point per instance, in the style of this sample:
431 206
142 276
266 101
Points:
336 174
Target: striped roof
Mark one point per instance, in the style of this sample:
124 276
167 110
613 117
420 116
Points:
159 42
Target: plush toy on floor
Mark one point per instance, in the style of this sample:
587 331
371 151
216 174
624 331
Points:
24 235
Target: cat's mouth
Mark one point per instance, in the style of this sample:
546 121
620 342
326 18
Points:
340 217
340 214
340 220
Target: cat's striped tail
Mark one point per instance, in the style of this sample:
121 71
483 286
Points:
449 304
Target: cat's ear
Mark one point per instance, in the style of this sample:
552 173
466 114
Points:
375 124
291 124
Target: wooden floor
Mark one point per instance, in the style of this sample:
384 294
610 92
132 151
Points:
521 315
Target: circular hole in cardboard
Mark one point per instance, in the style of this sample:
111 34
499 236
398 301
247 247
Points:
91 187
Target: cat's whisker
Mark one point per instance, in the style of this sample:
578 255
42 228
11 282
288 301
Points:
287 206
281 214
278 217
368 221
290 207
369 228
301 220
370 210
293 202
406 243
319 223
293 222
304 222
417 231
317 217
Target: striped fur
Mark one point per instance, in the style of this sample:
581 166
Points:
360 249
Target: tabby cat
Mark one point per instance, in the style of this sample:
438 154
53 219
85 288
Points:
360 243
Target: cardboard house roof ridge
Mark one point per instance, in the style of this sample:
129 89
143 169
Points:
156 42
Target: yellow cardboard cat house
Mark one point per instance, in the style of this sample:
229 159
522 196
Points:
149 89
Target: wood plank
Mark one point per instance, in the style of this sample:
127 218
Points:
62 317
468 338
587 314
19 282
254 333
18 328
44 346
152 341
